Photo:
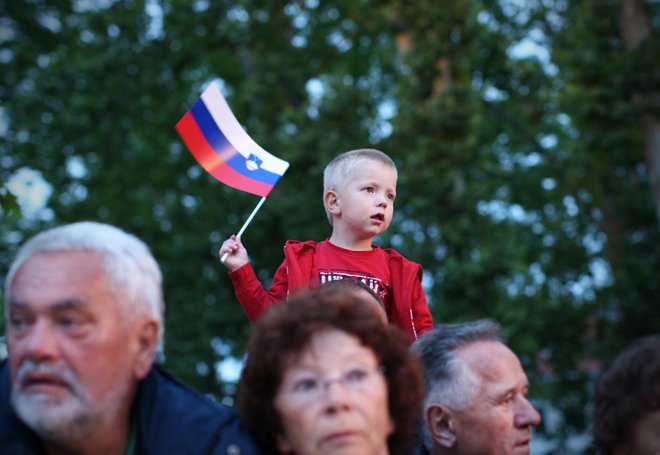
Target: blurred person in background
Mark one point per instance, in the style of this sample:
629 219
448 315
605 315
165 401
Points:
324 375
626 417
475 401
84 320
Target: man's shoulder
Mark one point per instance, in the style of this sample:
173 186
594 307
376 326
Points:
4 380
14 436
162 388
177 419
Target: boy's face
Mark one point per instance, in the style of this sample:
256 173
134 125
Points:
365 203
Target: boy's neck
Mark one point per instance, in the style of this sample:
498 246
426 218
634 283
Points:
351 243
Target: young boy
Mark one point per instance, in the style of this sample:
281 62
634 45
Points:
359 188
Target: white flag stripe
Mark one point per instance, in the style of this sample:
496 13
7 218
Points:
234 132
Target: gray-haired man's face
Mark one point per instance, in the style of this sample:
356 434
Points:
500 418
72 359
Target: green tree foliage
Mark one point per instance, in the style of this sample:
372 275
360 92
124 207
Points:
493 224
605 89
524 192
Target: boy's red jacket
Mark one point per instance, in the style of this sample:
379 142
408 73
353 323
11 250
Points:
409 308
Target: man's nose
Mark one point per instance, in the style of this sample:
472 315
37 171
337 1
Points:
526 414
40 343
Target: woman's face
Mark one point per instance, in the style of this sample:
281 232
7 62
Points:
333 399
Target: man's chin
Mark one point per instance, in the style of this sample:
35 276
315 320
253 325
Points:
46 413
42 401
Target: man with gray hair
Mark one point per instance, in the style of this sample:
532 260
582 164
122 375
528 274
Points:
475 401
84 320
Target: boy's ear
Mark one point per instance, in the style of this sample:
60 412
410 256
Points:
440 423
331 202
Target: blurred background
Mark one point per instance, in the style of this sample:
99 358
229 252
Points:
527 136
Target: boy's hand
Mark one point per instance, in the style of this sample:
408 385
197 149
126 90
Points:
237 255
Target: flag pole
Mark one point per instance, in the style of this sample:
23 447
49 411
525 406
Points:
245 225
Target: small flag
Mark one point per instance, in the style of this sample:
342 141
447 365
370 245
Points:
224 149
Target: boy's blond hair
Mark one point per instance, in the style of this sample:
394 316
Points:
337 170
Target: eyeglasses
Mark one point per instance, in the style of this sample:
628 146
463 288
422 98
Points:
310 387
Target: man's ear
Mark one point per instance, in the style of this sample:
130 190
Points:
439 421
331 201
146 340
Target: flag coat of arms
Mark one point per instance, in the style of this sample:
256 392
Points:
223 148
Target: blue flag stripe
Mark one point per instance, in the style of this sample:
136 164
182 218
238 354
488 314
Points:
225 150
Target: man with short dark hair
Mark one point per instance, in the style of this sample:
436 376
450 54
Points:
627 402
476 392
84 319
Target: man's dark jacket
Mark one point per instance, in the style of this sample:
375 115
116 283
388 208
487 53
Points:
172 419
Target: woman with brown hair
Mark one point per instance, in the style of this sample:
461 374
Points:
324 374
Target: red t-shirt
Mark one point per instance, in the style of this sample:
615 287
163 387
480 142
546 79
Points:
370 267
306 264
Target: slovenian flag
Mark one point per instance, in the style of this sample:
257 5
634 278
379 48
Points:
224 149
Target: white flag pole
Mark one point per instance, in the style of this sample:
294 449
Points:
245 225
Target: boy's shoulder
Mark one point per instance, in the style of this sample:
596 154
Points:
394 255
301 244
298 247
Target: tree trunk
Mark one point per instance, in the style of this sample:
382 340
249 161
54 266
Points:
635 30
